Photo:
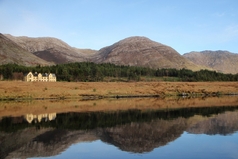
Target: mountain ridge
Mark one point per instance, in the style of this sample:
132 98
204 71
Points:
132 51
221 61
10 52
141 51
51 49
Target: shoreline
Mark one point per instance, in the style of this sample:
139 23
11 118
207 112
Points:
96 97
35 107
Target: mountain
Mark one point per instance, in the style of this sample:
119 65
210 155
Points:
141 51
10 52
52 49
132 51
222 61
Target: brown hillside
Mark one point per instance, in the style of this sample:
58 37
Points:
52 49
10 52
133 51
141 51
222 61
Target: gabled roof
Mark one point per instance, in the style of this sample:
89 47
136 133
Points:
35 74
28 73
45 74
53 74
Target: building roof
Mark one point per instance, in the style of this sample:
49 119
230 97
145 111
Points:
43 74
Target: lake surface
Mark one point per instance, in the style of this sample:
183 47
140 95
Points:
135 131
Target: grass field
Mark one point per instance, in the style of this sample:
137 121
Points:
69 90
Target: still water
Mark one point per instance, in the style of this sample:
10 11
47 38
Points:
155 132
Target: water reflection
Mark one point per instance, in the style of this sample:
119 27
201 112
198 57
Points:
136 131
38 118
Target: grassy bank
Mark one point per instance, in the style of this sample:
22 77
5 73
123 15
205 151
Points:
19 90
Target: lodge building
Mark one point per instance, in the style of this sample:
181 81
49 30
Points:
45 77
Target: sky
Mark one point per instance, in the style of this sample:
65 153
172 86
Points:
185 25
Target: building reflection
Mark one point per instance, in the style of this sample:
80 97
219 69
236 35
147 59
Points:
40 117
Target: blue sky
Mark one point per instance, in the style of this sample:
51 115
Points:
185 25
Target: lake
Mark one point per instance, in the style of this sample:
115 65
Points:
121 128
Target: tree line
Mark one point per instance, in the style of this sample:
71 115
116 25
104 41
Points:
91 72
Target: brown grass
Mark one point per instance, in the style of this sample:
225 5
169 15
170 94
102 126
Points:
77 91
19 89
36 107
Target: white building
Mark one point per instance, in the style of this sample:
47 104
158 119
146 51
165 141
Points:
45 77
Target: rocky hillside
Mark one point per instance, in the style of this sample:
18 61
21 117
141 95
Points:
222 61
141 51
10 52
52 49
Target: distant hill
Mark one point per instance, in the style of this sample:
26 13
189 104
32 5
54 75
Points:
141 51
52 49
222 61
10 52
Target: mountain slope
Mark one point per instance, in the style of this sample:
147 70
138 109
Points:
222 61
141 51
52 49
10 52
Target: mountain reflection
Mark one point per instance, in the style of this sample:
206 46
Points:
143 137
133 130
